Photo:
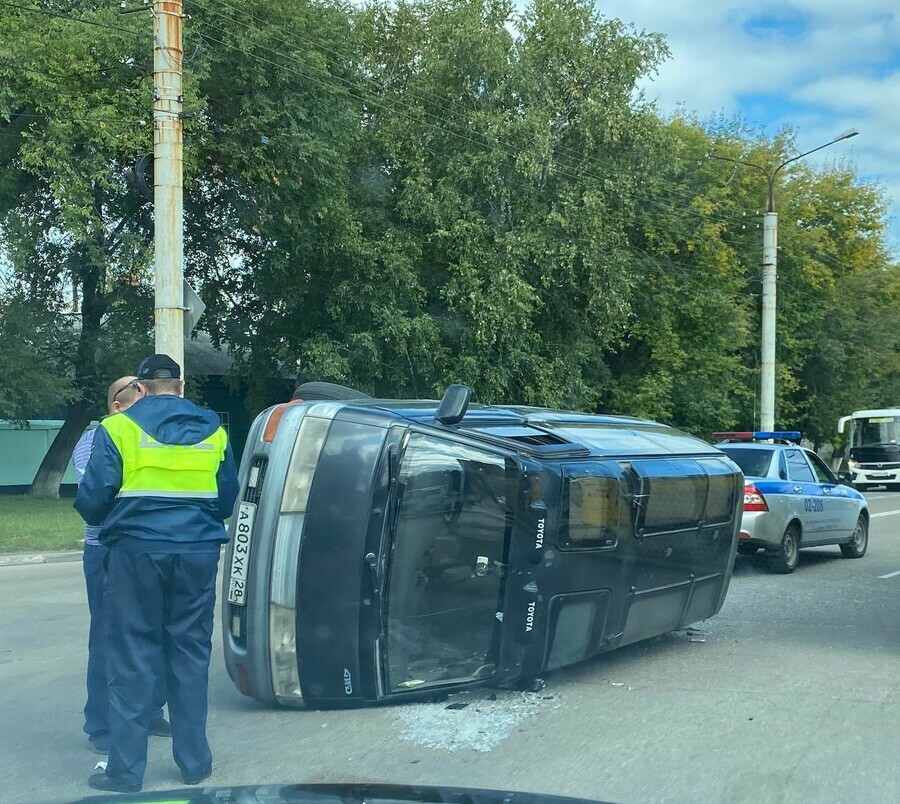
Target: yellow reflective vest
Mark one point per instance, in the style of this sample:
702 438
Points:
153 469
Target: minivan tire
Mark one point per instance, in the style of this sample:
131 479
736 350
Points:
312 391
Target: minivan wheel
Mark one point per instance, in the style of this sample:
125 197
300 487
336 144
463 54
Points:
857 546
783 559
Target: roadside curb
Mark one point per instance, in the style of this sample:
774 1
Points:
19 559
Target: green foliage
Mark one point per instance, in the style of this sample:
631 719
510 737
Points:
403 195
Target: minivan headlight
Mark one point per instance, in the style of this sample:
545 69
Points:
283 654
307 448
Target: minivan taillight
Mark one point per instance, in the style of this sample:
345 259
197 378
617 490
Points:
753 499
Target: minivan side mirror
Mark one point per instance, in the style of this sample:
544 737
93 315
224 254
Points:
454 404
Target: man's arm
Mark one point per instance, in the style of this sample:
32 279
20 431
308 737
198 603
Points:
101 482
82 454
227 484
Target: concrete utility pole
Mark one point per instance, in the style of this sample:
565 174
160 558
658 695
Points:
770 281
168 204
769 302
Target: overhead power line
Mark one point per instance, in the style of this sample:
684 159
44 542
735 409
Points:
83 20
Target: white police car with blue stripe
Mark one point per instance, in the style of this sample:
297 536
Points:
793 500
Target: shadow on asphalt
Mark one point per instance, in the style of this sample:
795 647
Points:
756 564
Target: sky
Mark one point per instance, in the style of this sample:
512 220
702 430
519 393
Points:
818 66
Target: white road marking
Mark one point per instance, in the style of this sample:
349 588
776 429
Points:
890 575
886 513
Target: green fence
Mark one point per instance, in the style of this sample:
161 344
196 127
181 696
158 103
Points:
23 448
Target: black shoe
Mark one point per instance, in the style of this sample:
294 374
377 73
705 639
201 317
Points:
196 779
160 728
100 781
99 745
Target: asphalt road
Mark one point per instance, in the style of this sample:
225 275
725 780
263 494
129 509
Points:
793 696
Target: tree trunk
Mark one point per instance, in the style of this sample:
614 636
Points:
50 474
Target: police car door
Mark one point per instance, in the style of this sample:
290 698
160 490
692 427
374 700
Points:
841 510
804 485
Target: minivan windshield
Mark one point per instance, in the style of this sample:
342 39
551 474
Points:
449 551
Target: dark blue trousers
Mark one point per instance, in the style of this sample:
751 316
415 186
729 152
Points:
159 623
96 710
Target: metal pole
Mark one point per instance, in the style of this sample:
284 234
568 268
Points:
769 285
769 281
168 208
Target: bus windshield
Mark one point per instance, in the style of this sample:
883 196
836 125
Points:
446 569
874 431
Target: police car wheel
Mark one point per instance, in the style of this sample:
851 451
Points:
857 546
783 559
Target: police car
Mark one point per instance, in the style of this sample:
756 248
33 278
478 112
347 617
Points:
793 500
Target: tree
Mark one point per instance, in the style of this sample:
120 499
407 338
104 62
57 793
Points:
477 233
75 118
409 194
839 323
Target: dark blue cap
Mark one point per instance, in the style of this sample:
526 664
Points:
159 367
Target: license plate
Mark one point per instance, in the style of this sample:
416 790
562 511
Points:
240 557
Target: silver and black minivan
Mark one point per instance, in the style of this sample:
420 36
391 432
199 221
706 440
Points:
387 550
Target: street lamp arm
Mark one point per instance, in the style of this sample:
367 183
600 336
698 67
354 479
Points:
740 162
845 136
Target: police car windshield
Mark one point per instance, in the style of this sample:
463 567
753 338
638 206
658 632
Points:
753 462
446 568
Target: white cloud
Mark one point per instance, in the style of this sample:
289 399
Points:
840 69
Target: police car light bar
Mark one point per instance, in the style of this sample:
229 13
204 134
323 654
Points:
787 435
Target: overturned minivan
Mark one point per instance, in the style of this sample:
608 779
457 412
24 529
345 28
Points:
388 550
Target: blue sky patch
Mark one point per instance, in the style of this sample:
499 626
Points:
788 24
774 109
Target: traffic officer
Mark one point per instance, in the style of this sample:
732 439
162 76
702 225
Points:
121 395
161 481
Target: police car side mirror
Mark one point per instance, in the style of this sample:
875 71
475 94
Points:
454 404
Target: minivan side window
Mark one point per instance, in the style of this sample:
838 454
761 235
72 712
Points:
798 467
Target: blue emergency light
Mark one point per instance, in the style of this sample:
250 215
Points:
786 435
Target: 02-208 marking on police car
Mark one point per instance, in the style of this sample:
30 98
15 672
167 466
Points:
240 556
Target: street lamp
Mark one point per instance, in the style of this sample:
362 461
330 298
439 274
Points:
769 277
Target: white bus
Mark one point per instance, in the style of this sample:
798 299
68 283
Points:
873 456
